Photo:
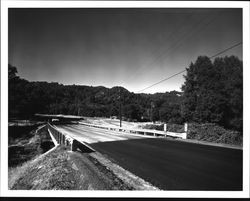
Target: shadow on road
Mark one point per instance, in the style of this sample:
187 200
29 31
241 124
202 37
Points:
177 165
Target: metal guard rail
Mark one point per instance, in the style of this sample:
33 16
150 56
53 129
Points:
139 131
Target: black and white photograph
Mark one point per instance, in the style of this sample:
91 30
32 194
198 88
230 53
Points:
125 98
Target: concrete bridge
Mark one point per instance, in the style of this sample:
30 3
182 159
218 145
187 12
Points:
57 117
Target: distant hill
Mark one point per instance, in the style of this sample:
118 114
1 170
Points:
27 98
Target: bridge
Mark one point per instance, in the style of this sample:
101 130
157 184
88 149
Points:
57 117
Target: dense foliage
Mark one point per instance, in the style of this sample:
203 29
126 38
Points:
213 133
213 92
27 98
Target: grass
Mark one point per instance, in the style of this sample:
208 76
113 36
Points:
27 144
46 172
20 133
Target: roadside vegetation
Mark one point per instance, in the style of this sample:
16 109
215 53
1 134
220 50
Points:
25 143
207 132
210 132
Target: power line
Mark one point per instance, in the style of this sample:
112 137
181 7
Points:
226 50
184 36
159 52
229 48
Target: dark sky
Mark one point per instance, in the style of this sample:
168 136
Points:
133 48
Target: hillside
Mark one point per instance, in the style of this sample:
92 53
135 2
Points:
27 98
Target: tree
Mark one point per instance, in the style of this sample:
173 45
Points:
12 72
213 91
132 111
231 71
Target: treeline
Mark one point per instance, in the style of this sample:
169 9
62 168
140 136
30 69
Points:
27 98
212 93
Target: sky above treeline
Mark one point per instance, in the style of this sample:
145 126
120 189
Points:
128 47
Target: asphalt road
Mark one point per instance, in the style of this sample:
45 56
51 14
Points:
94 135
168 164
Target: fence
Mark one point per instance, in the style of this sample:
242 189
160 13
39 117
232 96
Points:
139 131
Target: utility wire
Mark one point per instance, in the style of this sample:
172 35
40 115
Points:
229 48
226 50
159 52
186 34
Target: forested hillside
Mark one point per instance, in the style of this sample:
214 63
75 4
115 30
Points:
27 98
212 93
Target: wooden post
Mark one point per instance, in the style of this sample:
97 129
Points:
165 127
186 127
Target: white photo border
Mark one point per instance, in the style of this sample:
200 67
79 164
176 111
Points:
122 4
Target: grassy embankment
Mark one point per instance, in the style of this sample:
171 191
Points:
25 143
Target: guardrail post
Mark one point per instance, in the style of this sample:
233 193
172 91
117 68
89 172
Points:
186 127
165 127
74 145
65 141
60 138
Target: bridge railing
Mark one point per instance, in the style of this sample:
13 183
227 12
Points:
150 132
60 138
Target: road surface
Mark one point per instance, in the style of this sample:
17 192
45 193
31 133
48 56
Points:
167 164
94 135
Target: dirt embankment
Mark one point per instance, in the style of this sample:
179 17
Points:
61 169
27 142
58 168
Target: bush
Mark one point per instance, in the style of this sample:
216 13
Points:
170 127
232 137
211 132
154 127
178 128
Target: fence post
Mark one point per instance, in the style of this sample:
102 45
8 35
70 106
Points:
165 127
186 127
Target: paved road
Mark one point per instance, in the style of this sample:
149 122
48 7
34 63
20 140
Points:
168 164
93 135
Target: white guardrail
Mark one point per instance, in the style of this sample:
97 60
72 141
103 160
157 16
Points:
63 139
139 131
